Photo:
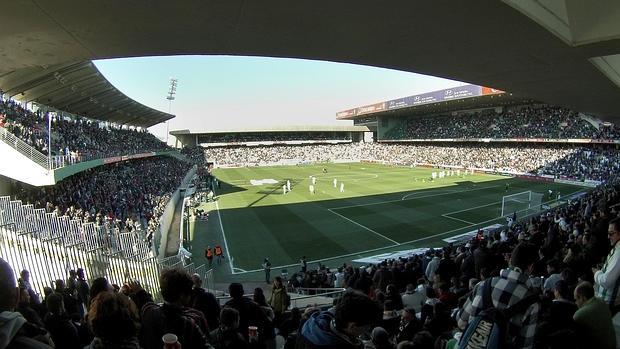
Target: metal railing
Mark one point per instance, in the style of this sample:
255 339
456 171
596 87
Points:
59 161
326 297
49 246
24 148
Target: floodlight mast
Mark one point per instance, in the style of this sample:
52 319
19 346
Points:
172 91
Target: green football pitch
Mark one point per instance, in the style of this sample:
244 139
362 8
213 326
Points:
382 209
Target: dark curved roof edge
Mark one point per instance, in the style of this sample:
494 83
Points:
79 88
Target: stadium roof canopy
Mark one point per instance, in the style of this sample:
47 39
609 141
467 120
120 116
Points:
78 88
563 52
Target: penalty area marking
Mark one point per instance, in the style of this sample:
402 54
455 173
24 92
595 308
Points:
364 227
457 219
417 197
358 253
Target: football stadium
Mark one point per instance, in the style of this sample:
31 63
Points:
478 212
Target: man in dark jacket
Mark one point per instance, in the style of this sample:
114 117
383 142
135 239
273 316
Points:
82 288
250 313
173 316
354 315
15 331
205 302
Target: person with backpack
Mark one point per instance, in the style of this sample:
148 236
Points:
502 311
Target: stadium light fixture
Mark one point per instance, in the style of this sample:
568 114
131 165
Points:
172 91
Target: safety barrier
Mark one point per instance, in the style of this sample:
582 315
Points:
24 148
49 246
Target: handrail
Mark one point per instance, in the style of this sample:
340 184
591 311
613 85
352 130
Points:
297 297
24 148
59 161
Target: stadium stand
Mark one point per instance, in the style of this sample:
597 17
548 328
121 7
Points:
279 136
124 196
523 122
572 161
96 220
74 140
573 237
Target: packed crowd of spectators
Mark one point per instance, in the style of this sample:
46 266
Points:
557 264
272 136
75 139
523 122
580 162
129 195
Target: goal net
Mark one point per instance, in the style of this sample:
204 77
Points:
522 203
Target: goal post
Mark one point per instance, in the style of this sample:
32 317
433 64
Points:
523 202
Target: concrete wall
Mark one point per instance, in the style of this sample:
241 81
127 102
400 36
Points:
17 166
167 235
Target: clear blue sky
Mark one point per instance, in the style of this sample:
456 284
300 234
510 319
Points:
226 92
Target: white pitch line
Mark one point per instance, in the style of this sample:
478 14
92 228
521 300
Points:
365 227
458 219
415 198
473 208
219 216
387 247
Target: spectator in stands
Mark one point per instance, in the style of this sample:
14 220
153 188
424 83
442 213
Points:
250 313
205 302
24 282
113 319
82 288
354 316
173 316
64 333
414 298
70 302
99 285
557 328
392 294
554 275
24 308
593 319
408 327
279 299
15 331
379 339
227 335
268 332
607 278
508 289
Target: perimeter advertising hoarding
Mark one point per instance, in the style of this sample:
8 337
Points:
459 92
346 113
490 91
436 96
373 108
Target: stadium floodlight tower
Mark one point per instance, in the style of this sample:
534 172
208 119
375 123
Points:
172 91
